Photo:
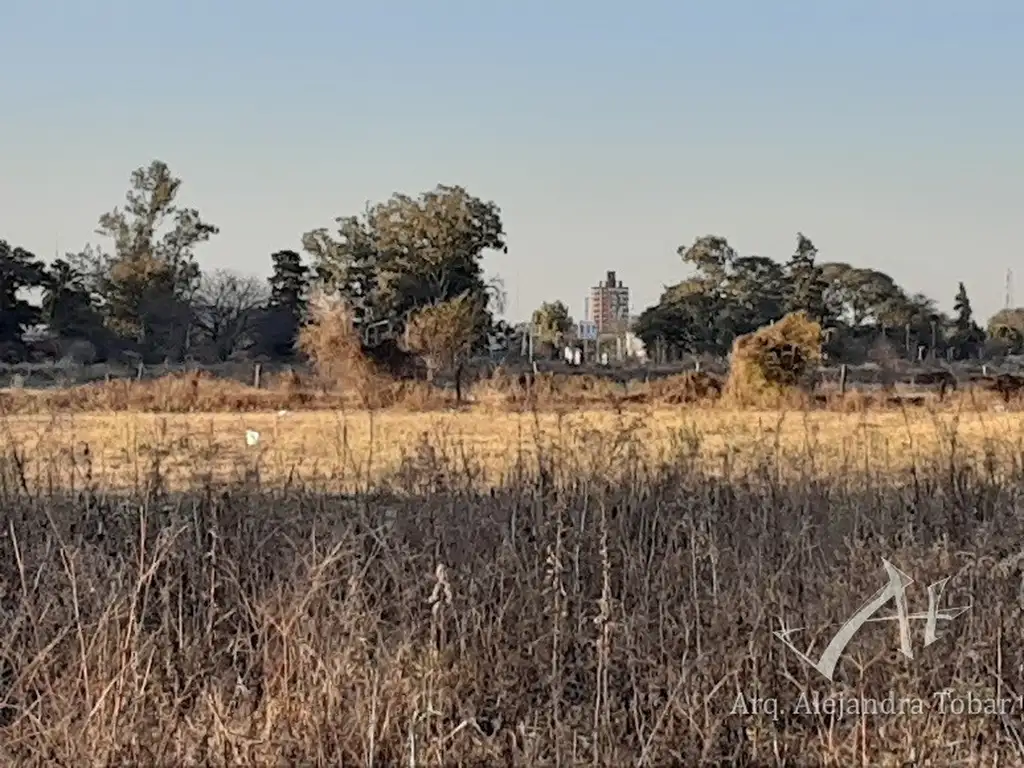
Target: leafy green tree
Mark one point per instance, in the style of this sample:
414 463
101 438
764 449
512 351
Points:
408 253
712 257
347 264
19 271
66 306
805 286
967 337
684 320
68 309
868 306
552 324
858 297
1005 329
729 295
146 283
754 294
289 283
919 315
288 304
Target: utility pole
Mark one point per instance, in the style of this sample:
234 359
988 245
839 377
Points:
1009 289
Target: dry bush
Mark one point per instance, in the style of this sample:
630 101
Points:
552 391
942 380
203 392
335 350
576 390
501 389
443 335
595 607
288 381
514 390
398 384
775 362
686 388
855 401
376 376
174 393
1007 386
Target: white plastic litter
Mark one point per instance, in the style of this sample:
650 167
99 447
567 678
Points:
252 437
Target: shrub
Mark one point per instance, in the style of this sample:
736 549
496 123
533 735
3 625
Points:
775 361
688 387
443 335
335 350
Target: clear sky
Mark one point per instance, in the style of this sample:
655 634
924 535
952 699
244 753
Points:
888 131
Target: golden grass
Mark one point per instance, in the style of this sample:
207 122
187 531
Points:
348 449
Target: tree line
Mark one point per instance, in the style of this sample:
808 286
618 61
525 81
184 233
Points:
411 268
862 311
139 292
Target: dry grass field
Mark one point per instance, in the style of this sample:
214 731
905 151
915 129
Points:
348 451
483 586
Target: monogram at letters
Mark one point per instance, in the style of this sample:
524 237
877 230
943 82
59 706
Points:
894 590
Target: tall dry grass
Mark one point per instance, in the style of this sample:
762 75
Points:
197 391
599 605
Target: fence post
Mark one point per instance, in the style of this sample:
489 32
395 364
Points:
842 379
257 369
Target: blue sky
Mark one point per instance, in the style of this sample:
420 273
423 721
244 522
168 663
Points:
609 133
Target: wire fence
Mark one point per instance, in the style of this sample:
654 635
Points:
259 373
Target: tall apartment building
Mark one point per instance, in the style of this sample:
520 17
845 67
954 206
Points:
608 307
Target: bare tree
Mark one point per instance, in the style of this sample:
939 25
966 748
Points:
226 307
